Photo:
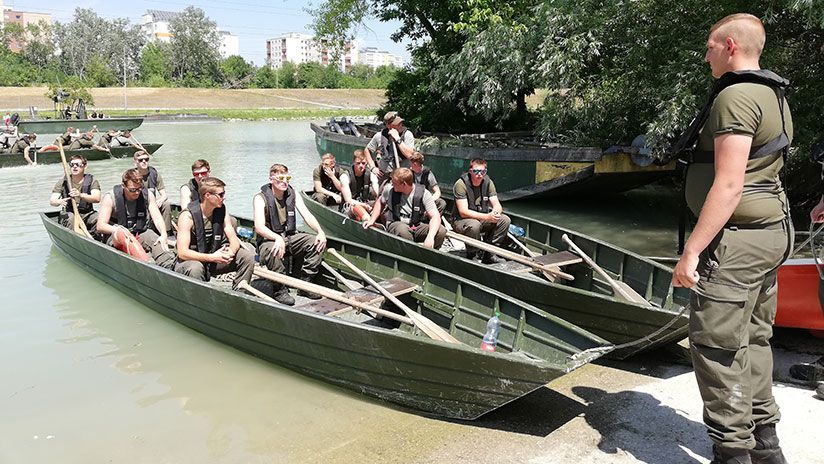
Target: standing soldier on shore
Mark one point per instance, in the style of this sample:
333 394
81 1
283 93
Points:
393 142
742 235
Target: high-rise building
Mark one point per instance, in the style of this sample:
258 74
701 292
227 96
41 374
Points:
156 27
303 48
23 18
373 57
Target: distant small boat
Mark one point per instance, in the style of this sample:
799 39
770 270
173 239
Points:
59 126
521 168
53 157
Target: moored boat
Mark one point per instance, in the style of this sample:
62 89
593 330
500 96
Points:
521 172
798 305
393 364
59 126
53 156
587 301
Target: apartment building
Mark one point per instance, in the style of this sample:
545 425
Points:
303 48
156 27
373 57
23 18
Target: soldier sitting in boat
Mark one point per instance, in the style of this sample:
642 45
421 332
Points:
424 176
124 139
8 136
85 190
326 179
154 182
189 190
393 143
85 141
478 214
206 241
404 206
277 235
131 205
24 146
66 139
360 188
105 140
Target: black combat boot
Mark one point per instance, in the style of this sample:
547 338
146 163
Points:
306 294
282 296
767 450
730 456
491 258
809 372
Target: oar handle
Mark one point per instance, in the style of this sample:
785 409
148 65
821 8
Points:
508 255
597 268
79 226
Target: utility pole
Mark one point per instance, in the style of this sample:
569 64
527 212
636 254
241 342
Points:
125 101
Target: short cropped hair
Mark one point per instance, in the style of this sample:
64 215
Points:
480 161
358 155
327 156
417 157
132 175
403 176
747 31
201 163
79 157
210 185
144 152
278 168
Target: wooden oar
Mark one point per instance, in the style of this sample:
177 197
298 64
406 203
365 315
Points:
350 284
509 255
139 145
79 226
327 293
422 322
620 288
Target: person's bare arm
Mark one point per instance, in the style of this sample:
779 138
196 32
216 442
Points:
312 222
104 215
185 196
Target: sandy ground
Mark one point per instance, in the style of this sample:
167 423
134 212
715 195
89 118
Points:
20 98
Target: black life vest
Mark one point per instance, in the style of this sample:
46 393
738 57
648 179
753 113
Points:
326 182
138 223
200 241
271 212
194 188
83 206
65 139
151 179
365 192
423 177
387 150
470 196
393 209
685 145
20 146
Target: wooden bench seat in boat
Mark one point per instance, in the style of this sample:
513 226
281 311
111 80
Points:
396 286
557 259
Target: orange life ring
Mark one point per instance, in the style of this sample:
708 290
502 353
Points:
124 241
51 147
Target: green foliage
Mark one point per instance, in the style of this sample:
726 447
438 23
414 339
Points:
98 73
14 69
309 76
195 45
287 76
156 63
265 78
76 89
235 70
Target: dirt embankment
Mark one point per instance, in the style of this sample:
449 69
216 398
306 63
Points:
20 98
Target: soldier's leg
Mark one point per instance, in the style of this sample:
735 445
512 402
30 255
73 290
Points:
401 230
166 212
67 219
423 230
163 258
267 258
243 265
302 247
322 198
441 205
194 269
472 229
90 219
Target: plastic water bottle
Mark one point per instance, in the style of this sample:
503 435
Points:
516 230
245 232
493 327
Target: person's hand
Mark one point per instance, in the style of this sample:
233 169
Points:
366 206
492 217
222 256
395 135
336 197
817 214
368 223
74 193
429 242
685 273
377 172
163 241
330 173
280 246
320 242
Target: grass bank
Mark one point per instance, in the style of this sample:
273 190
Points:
252 114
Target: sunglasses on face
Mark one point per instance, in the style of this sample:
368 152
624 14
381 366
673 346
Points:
76 164
201 174
133 189
478 171
143 160
281 178
221 194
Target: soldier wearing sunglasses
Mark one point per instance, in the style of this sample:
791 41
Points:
206 241
131 205
478 213
275 209
82 188
154 182
189 190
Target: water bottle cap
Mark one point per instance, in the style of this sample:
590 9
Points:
497 313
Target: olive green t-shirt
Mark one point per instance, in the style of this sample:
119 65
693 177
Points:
752 110
459 191
81 143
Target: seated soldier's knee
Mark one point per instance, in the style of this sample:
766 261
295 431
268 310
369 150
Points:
194 269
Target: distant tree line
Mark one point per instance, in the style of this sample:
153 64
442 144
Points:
92 51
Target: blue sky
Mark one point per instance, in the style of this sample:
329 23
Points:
253 21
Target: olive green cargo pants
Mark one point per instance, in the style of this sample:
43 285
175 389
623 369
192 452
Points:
732 311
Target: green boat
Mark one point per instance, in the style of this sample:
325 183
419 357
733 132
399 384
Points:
587 301
529 171
53 157
359 353
59 126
